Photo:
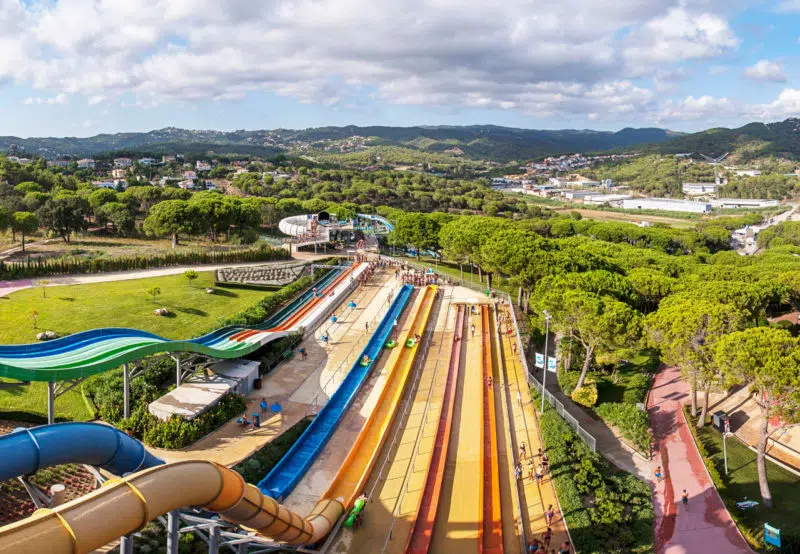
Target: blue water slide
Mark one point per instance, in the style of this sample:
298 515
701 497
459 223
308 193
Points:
25 451
379 219
287 473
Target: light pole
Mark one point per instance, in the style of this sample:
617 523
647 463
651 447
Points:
547 318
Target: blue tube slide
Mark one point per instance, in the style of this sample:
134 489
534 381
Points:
287 473
26 451
379 219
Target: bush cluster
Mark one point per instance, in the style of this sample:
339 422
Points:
632 422
586 395
637 388
607 512
106 392
40 267
254 468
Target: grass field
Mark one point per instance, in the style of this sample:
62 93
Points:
742 481
72 308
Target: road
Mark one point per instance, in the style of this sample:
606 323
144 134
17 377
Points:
751 249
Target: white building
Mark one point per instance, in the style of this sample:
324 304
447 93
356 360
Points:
118 173
667 204
189 175
122 162
585 184
105 185
86 163
202 166
168 159
699 189
575 195
747 172
608 183
148 161
558 182
58 163
601 199
729 203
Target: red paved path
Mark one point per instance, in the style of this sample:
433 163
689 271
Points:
706 526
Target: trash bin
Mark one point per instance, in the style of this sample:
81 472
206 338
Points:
257 383
718 420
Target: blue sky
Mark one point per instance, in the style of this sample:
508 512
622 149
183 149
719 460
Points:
82 67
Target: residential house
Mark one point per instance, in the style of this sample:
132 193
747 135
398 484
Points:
119 173
58 163
168 159
147 161
189 175
86 163
122 162
202 166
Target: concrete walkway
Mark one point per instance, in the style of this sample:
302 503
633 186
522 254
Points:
609 445
8 287
704 525
296 383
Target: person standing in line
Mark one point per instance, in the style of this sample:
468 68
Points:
518 471
522 450
565 548
473 330
539 474
263 406
547 536
366 326
550 515
545 462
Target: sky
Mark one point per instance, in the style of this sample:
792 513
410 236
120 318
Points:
83 67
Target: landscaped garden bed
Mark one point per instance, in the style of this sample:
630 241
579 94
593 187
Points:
742 482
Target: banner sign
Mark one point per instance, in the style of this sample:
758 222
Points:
551 364
539 360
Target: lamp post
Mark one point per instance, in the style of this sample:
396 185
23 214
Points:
547 318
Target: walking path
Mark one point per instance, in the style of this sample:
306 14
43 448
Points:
8 287
704 525
609 445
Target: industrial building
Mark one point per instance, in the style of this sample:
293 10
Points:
699 189
602 199
729 203
667 204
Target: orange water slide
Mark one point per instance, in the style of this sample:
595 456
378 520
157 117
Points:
492 537
419 540
301 313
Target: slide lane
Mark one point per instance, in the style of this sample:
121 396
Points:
459 520
525 428
424 518
90 352
350 480
285 475
492 535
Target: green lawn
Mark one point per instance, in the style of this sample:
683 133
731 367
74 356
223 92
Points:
742 481
627 383
73 308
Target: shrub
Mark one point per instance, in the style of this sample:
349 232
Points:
632 422
567 381
586 395
637 388
254 468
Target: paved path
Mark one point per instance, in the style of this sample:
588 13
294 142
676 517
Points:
705 525
8 287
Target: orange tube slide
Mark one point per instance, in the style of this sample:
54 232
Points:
492 519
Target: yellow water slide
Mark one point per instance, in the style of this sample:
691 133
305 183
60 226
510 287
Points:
124 506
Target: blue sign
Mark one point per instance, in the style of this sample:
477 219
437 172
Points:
539 360
551 364
772 535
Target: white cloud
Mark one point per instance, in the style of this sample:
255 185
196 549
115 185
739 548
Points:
534 56
766 70
788 6
58 99
708 108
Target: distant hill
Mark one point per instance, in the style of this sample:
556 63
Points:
476 142
754 140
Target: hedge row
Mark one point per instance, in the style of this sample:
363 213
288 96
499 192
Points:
632 422
607 511
254 468
41 267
